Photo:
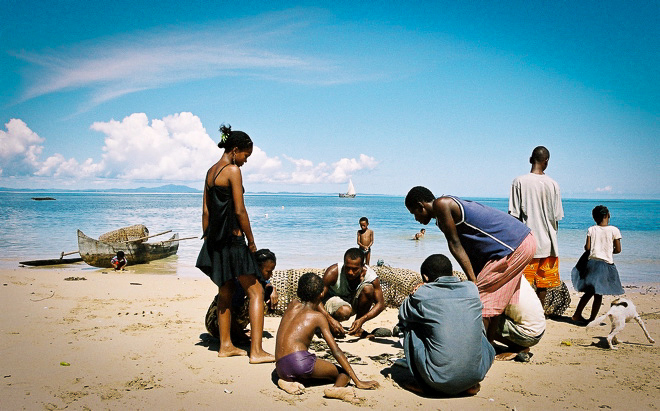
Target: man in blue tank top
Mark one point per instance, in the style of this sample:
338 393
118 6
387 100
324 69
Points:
491 246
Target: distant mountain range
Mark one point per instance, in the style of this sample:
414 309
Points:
169 188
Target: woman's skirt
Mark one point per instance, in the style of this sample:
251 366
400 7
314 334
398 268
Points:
226 262
598 277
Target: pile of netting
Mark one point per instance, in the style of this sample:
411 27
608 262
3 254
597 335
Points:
125 234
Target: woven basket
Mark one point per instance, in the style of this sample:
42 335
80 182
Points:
125 234
396 283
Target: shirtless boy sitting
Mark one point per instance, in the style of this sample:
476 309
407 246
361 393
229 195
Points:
295 364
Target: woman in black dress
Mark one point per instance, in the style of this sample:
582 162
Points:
225 257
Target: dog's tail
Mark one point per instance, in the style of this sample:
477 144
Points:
598 320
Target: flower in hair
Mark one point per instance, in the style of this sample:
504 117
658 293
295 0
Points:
224 136
225 132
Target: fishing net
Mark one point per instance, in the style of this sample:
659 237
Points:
396 283
125 234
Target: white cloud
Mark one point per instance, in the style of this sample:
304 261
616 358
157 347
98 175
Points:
20 148
605 189
346 166
175 148
306 172
58 166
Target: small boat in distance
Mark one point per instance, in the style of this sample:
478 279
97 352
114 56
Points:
98 253
351 190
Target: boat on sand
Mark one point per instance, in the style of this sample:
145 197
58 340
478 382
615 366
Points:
99 253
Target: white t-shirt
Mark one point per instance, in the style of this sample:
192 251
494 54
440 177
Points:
602 242
536 201
528 314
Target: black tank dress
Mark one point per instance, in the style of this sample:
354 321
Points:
224 256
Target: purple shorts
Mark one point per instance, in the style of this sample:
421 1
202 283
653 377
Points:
295 366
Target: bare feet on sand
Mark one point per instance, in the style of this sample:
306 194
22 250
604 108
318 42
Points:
579 320
261 357
522 356
505 356
342 393
292 387
231 352
412 387
473 390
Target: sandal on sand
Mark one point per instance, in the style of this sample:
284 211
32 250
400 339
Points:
505 356
523 356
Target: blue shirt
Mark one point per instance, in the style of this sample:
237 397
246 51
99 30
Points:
443 335
486 233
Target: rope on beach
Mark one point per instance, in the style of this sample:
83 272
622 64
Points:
45 298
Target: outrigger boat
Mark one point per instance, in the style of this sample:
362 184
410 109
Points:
99 253
51 261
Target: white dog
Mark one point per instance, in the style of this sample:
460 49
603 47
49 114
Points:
621 311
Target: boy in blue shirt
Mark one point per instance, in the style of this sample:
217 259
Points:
443 334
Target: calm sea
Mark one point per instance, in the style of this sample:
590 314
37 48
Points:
302 230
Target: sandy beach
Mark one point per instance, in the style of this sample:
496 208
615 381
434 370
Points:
137 341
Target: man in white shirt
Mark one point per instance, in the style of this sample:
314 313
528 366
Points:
536 201
521 326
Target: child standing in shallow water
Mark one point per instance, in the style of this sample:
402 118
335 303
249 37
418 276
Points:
295 364
365 239
597 276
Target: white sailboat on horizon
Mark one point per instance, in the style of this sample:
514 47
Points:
351 190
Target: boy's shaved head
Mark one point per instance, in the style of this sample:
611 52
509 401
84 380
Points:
310 286
436 265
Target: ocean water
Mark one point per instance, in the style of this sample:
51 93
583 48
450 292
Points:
302 230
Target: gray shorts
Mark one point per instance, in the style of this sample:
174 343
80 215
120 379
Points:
512 332
335 303
332 304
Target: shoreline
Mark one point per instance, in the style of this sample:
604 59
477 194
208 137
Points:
160 268
138 341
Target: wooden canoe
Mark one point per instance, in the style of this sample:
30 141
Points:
98 254
52 261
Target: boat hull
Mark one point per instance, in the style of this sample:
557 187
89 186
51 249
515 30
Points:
342 195
98 254
52 261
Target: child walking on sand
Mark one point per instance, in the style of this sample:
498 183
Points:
365 239
597 275
295 364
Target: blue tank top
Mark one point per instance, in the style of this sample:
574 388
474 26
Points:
487 233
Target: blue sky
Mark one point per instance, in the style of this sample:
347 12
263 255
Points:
450 95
